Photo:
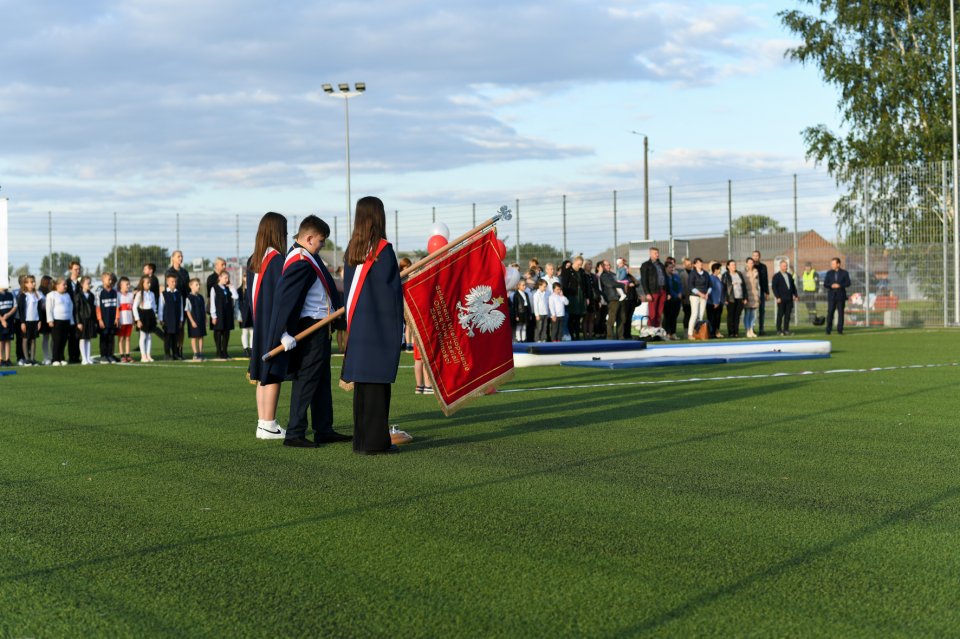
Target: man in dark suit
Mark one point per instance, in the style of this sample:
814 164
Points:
611 290
73 290
785 292
836 282
653 281
764 278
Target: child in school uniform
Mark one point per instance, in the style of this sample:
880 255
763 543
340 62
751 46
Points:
171 318
8 322
145 315
195 313
246 314
520 311
107 304
558 310
221 314
18 325
59 309
44 288
28 308
85 319
541 311
125 319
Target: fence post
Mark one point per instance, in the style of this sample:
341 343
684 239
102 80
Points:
396 229
336 240
564 226
178 232
516 210
238 243
670 215
729 219
614 226
866 254
50 240
796 249
434 215
473 216
116 267
946 242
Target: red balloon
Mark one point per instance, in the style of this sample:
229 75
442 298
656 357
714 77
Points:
501 249
436 243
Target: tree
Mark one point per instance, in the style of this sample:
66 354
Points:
57 264
543 252
130 259
756 225
890 61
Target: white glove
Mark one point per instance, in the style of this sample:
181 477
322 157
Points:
288 341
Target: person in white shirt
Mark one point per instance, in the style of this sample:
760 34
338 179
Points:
541 311
145 316
558 310
28 302
60 319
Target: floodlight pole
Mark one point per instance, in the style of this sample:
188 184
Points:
646 185
345 94
956 186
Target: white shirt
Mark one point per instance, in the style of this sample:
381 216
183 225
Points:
59 307
558 303
31 306
232 292
540 304
145 300
160 312
317 303
124 316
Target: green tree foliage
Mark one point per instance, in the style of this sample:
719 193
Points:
56 264
756 225
543 252
130 259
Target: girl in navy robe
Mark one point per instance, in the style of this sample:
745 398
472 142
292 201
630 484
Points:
371 278
266 266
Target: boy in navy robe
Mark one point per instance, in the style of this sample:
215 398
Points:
107 303
171 318
306 294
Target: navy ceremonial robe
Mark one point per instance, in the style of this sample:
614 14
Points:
376 330
261 319
291 292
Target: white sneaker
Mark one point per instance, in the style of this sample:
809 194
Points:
270 430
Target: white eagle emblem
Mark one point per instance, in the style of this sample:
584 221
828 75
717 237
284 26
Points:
479 311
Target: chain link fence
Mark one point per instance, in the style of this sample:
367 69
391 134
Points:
893 228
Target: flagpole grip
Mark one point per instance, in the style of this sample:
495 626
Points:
310 330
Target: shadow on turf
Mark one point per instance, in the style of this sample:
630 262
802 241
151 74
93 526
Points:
604 407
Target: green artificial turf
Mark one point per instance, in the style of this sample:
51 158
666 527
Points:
136 502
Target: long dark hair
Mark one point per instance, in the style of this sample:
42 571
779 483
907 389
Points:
369 227
272 233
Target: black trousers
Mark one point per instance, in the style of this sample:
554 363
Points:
574 323
170 344
714 314
106 345
60 333
543 328
835 305
311 384
556 329
371 414
73 347
18 338
734 309
613 316
221 340
761 311
784 311
671 310
686 311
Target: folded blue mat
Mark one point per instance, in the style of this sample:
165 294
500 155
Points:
585 346
650 362
2 373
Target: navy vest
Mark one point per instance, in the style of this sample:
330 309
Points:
108 307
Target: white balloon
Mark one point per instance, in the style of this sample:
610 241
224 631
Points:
512 277
439 228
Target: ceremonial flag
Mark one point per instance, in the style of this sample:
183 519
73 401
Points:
457 306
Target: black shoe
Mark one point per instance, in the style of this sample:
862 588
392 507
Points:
333 438
299 442
386 451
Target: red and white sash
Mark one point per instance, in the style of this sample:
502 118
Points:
258 278
300 254
358 279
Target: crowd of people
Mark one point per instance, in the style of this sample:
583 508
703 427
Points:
54 321
583 301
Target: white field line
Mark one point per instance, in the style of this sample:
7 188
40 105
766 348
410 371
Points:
726 377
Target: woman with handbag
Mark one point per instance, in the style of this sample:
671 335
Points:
371 278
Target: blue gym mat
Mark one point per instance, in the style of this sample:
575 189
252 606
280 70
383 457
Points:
585 346
650 362
2 373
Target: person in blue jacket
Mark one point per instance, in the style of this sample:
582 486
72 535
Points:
371 280
266 265
306 294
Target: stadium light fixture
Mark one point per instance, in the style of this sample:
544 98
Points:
345 94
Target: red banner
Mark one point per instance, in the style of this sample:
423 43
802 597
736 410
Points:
457 306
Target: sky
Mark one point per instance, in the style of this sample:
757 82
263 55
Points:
215 108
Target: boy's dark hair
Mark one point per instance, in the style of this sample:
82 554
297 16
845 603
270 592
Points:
171 276
557 285
123 279
313 224
151 266
541 281
714 267
193 279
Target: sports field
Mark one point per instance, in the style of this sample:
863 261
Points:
136 502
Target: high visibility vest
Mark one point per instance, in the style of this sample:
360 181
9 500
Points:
810 281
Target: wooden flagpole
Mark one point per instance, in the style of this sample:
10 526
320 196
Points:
502 214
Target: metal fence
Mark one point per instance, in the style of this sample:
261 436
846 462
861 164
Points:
893 227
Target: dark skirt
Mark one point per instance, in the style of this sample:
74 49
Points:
7 334
148 321
200 330
91 329
33 329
